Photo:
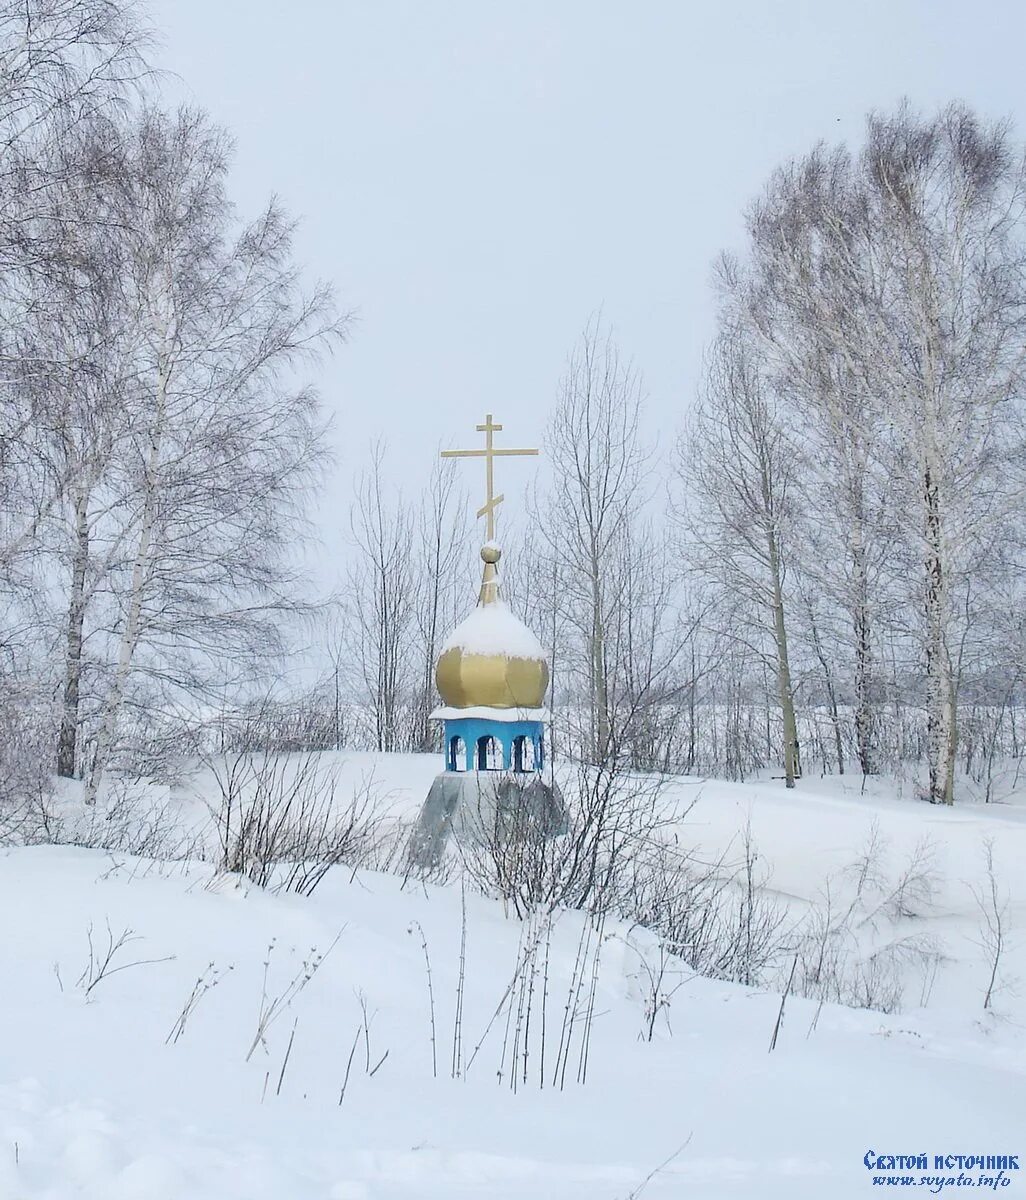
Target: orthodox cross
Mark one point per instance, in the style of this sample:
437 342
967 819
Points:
489 453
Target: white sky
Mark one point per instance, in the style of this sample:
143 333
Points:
477 177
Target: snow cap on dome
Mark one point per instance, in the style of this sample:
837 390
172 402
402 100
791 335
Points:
493 628
491 659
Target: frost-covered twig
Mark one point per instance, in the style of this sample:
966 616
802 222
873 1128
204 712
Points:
349 1067
993 923
659 1169
521 959
97 969
209 979
589 1013
657 995
783 1001
457 1023
363 1031
271 1007
570 1008
431 995
285 1060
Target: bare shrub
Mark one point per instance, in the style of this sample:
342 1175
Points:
129 819
660 975
30 819
878 981
27 813
715 916
719 919
850 948
610 815
913 891
531 1014
280 821
615 859
993 935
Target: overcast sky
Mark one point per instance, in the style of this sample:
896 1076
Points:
476 177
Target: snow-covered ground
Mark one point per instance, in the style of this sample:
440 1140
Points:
100 1099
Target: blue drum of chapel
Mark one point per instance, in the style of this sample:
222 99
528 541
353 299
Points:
485 744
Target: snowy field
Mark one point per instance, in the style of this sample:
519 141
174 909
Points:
210 1057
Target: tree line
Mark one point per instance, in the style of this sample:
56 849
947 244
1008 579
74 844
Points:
858 449
824 574
158 436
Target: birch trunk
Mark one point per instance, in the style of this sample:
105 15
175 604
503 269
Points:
941 727
865 732
132 626
67 742
599 688
828 683
791 768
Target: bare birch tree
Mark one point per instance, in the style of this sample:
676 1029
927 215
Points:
801 309
737 466
884 310
613 593
75 363
946 198
443 582
62 62
225 443
598 471
380 602
922 271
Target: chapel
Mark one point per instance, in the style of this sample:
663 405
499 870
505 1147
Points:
492 675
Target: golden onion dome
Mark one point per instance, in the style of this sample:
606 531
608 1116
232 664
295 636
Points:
492 659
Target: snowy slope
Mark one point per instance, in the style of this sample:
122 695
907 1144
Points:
98 1100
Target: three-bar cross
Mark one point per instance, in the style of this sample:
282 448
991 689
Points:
489 453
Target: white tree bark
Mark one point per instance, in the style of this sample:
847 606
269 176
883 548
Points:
128 641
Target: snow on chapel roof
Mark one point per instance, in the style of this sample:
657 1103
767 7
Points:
491 659
492 628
